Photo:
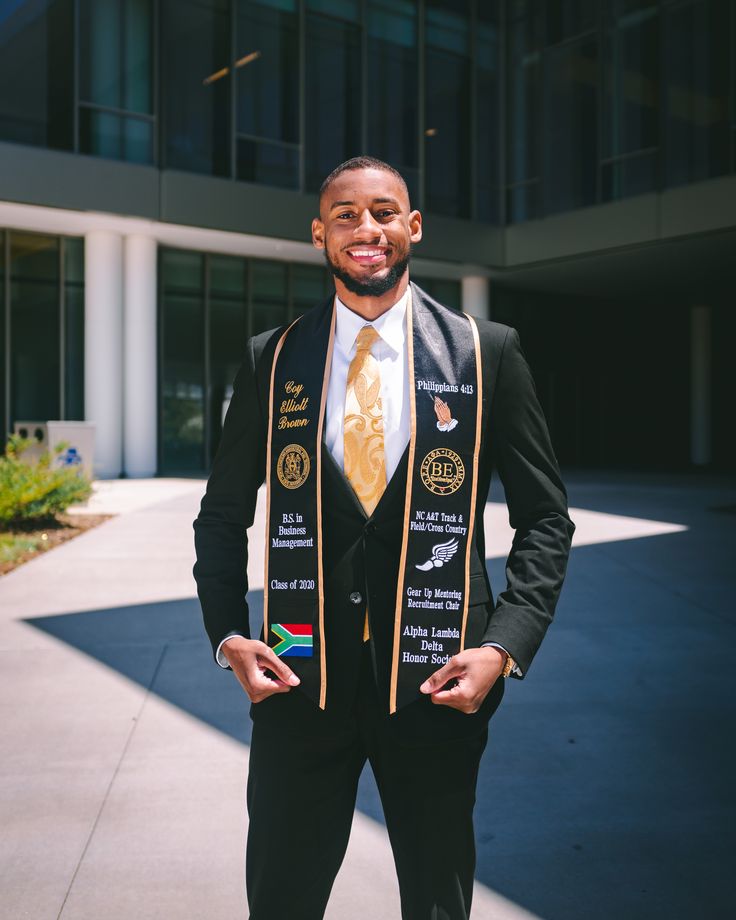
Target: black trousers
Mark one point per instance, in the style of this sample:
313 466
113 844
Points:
301 798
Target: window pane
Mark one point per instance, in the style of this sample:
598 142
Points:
696 94
570 126
34 327
524 91
269 303
332 96
115 54
442 290
37 73
267 70
630 96
310 286
447 110
568 18
392 78
196 85
340 9
106 134
73 328
182 351
488 127
228 335
634 175
268 163
74 352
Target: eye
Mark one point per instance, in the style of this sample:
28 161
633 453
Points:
345 215
386 214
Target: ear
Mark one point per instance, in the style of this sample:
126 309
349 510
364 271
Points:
318 233
415 226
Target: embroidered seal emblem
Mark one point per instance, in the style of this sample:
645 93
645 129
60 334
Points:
442 471
292 467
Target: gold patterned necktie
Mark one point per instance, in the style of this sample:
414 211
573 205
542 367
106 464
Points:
364 456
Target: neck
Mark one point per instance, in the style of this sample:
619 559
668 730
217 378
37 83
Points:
371 308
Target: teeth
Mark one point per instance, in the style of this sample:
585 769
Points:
367 252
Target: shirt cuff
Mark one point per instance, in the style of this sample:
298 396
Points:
516 669
219 656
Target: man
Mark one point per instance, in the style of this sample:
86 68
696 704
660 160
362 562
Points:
376 421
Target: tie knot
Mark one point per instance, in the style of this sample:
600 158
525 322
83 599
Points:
366 337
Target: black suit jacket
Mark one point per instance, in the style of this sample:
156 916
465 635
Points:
362 554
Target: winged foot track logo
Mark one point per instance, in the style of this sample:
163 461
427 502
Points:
441 553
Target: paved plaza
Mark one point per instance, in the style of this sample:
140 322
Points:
606 791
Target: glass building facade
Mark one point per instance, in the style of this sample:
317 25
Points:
41 327
494 110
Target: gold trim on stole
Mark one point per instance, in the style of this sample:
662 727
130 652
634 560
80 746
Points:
407 502
474 486
320 568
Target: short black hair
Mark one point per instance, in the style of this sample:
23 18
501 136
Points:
362 162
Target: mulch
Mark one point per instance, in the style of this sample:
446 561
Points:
49 534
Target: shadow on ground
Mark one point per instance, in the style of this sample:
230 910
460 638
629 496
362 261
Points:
606 790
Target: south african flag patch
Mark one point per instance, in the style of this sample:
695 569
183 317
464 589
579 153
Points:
296 639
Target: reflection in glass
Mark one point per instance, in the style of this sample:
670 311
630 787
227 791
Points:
487 132
524 81
73 255
37 73
630 99
196 85
269 298
332 93
116 76
393 81
311 285
34 327
267 85
447 108
268 163
228 333
696 91
115 60
442 290
570 126
182 361
107 134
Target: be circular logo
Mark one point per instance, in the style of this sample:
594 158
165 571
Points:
292 467
442 471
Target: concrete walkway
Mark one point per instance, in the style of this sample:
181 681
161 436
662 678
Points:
606 790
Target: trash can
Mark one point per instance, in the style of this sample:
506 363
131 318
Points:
79 437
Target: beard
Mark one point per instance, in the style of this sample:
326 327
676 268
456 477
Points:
370 287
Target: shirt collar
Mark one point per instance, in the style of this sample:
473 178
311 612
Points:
389 325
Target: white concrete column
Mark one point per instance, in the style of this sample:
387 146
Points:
139 357
103 347
700 395
476 297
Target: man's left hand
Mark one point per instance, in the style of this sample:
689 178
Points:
476 670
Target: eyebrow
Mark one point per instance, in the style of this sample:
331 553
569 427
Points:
341 204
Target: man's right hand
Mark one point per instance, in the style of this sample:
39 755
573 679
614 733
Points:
250 659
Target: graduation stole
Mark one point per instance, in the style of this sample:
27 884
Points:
444 366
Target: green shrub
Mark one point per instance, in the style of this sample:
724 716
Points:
34 491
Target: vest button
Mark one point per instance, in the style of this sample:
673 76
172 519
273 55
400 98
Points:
356 598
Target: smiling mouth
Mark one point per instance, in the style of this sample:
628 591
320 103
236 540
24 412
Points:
367 255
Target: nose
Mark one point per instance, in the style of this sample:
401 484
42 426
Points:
368 227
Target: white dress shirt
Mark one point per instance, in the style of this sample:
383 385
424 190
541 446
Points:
391 353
